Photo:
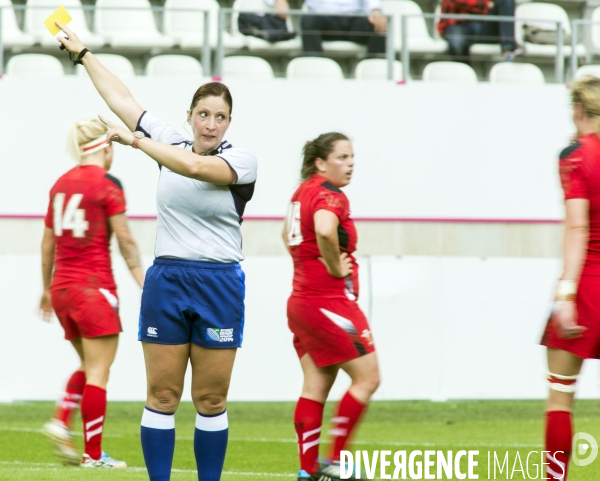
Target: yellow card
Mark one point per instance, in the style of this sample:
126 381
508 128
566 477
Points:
59 15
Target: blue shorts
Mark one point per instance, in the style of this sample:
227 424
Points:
192 301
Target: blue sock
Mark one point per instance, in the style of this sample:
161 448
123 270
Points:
210 445
158 443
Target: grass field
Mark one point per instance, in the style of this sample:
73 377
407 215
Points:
262 441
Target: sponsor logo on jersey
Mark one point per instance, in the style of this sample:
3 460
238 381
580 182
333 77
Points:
219 335
152 332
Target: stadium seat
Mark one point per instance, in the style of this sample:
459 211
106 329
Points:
376 69
34 65
419 40
342 47
516 73
117 64
257 44
187 28
34 22
546 16
595 31
12 36
174 66
587 70
129 28
453 72
314 68
247 67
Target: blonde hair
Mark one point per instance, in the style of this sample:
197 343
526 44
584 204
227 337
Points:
587 93
81 133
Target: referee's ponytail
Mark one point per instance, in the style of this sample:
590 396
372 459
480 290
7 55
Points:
319 148
82 133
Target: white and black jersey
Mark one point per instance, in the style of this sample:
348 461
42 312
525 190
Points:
198 220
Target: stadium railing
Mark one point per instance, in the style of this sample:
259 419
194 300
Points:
390 54
578 27
559 59
206 49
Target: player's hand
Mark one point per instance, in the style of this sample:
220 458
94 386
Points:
117 133
46 310
565 320
379 23
343 270
72 44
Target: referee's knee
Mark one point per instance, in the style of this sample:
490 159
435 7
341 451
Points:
164 399
210 403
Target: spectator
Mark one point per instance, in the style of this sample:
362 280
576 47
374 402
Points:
367 31
461 34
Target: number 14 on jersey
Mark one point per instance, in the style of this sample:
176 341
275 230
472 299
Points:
294 233
73 217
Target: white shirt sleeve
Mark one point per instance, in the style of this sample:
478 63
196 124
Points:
243 163
373 4
158 130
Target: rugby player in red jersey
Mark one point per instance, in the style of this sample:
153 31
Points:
573 331
86 206
330 330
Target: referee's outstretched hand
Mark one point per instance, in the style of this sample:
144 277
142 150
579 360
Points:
71 41
117 133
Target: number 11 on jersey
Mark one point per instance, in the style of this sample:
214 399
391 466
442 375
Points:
294 234
73 217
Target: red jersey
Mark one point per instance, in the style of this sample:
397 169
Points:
81 201
580 178
311 278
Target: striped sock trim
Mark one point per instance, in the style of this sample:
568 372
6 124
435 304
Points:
155 420
214 422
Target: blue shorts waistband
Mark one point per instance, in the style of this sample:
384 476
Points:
186 263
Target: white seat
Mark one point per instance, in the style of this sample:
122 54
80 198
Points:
516 73
314 68
338 46
544 15
419 40
34 65
187 28
595 31
486 49
12 36
376 69
34 23
129 28
450 72
247 67
117 64
254 43
587 70
174 66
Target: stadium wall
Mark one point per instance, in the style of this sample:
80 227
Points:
460 207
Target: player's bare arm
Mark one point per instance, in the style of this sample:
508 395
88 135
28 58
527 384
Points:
207 168
326 224
114 92
48 246
574 251
127 246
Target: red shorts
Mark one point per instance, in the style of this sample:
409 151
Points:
330 330
588 315
87 311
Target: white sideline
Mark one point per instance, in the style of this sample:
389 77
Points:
175 470
290 440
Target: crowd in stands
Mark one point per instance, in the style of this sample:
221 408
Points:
332 29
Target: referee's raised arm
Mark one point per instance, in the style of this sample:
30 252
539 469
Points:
114 92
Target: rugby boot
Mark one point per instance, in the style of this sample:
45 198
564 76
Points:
62 440
105 462
304 476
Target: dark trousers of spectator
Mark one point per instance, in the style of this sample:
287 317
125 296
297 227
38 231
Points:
461 36
315 29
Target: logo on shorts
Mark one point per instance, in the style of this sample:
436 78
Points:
152 332
219 335
366 335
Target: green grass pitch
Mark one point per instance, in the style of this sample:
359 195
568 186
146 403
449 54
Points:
262 440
